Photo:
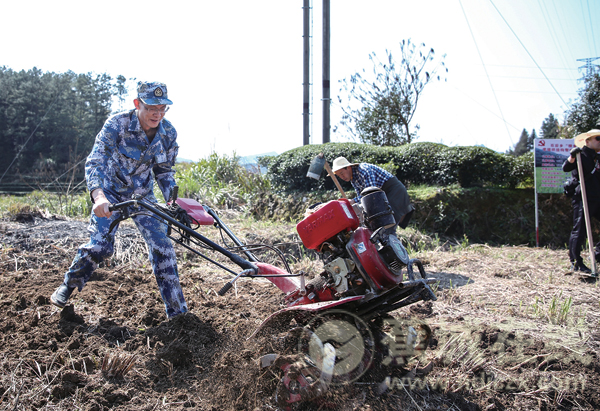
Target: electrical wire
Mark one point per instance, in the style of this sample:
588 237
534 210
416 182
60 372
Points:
69 170
485 108
592 27
31 135
529 54
585 21
553 34
559 18
486 72
527 67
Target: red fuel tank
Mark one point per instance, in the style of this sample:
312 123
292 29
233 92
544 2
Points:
333 217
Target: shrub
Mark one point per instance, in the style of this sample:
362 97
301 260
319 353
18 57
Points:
219 180
287 172
413 164
472 167
521 171
417 165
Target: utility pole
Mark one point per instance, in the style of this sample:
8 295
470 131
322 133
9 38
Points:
306 72
326 70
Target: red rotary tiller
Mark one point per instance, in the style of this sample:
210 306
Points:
367 273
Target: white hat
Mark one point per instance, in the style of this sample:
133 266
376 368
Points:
340 163
581 138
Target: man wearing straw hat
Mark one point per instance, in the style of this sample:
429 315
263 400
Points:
588 146
363 175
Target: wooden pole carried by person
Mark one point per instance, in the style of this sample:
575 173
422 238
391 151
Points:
586 214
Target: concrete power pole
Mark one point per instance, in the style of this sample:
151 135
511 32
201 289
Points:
306 68
326 70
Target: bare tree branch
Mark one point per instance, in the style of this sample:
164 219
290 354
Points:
379 109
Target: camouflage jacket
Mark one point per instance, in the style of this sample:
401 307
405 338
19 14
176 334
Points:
123 162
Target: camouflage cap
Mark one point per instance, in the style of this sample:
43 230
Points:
152 93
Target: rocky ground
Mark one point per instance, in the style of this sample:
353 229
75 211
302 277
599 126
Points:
511 330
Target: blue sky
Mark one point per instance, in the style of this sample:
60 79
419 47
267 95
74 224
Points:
234 68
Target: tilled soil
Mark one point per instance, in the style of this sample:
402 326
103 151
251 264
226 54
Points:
510 330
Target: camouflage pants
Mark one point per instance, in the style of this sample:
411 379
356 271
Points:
160 252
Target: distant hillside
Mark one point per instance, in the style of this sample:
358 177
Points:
251 162
245 160
254 158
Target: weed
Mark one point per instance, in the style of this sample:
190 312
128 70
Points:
465 242
118 364
556 312
536 306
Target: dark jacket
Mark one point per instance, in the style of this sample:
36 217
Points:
591 172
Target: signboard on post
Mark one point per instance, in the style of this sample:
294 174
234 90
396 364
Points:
549 156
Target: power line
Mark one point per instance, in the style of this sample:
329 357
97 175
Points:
559 18
527 51
486 72
487 109
591 25
533 92
546 16
29 138
533 78
535 67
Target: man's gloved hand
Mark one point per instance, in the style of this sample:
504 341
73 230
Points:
575 151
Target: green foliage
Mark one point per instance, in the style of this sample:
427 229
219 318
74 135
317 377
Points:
524 145
473 167
414 164
287 172
584 114
493 216
219 180
43 203
520 174
481 215
549 128
379 107
49 116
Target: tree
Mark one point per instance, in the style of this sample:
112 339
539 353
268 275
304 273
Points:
549 127
531 141
379 109
524 145
50 118
584 114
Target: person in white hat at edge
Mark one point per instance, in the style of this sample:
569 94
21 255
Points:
588 145
363 175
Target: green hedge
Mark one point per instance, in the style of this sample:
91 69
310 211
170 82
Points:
413 164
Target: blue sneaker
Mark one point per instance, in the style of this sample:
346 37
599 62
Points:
60 297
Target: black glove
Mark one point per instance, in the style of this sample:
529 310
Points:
575 151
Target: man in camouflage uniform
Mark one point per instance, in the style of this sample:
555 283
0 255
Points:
131 149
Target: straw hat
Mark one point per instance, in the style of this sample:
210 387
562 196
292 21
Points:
340 163
581 138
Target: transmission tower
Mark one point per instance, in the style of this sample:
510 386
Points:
589 67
